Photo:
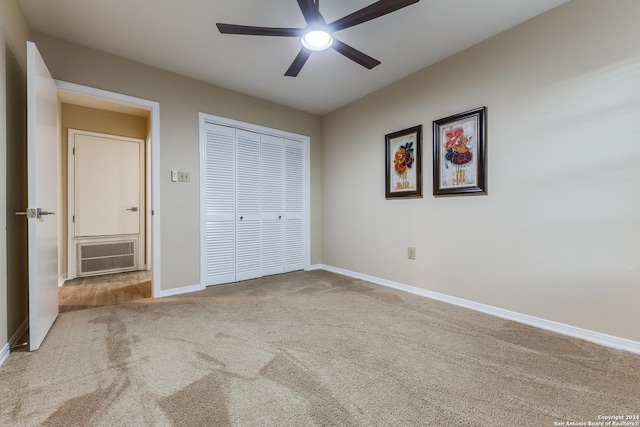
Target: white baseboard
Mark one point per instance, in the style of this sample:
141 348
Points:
4 354
561 328
179 291
6 349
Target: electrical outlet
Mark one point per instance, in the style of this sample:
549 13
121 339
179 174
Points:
411 253
183 176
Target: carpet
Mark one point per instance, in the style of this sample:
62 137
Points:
309 348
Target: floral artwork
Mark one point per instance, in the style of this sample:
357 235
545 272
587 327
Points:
459 154
459 166
403 166
403 160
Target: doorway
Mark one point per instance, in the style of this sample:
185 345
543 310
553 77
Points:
44 97
97 99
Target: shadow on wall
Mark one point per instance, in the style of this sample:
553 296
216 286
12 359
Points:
17 249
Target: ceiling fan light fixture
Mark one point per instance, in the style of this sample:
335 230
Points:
316 36
317 40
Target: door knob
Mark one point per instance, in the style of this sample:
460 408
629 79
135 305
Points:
133 209
35 213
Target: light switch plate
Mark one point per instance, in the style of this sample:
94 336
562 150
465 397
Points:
183 176
174 176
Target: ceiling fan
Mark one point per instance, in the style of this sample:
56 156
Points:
317 35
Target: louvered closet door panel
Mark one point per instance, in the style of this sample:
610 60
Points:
272 186
248 217
219 205
294 206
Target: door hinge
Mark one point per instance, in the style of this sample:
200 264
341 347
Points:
73 219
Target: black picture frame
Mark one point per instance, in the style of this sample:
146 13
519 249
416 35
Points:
403 163
459 154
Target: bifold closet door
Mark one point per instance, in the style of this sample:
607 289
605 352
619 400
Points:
248 209
272 204
219 205
254 207
294 206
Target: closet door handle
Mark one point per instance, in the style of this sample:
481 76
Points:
241 218
280 217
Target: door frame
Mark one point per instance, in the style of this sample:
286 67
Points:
71 200
305 140
154 130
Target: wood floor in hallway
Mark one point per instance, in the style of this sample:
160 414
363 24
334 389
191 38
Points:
97 291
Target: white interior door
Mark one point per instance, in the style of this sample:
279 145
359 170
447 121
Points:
42 166
294 206
253 203
272 204
218 206
108 184
248 220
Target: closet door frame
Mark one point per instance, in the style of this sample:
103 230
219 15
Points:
304 140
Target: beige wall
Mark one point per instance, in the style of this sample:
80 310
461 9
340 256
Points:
94 120
14 34
181 99
558 236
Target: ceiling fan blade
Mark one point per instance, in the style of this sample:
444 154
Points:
308 8
259 31
376 10
354 54
298 63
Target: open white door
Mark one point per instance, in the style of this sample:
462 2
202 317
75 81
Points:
42 166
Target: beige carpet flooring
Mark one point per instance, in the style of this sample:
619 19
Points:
304 349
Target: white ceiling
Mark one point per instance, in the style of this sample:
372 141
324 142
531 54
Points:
181 36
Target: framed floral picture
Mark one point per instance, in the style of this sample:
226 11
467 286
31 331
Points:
404 163
459 154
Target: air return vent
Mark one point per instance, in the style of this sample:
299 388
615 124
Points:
102 258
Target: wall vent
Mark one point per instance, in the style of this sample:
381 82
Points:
104 258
